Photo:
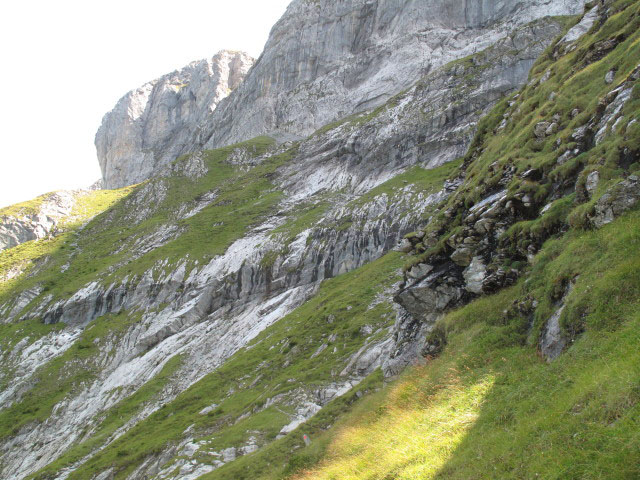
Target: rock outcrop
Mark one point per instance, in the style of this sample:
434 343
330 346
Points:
150 126
213 310
617 200
36 222
197 309
489 237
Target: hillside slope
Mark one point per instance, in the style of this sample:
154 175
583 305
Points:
249 295
489 405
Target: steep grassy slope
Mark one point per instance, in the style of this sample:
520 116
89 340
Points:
31 258
284 361
568 94
22 257
200 206
489 407
107 248
285 366
110 247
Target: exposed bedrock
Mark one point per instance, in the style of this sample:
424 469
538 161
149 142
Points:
209 313
326 60
149 126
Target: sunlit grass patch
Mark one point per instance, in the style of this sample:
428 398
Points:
411 436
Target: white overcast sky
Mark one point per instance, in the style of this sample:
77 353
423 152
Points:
67 62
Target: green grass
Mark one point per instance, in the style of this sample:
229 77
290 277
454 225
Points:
93 203
576 85
102 250
115 418
286 456
31 254
425 181
489 407
30 207
305 216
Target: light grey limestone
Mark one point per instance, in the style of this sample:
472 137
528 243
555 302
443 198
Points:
616 200
323 61
20 228
220 307
326 60
149 126
554 339
474 275
582 27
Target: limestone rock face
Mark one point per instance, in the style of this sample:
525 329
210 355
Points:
326 60
330 218
617 200
149 126
582 27
216 308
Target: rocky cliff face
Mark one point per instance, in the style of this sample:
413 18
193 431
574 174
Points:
150 126
327 60
249 293
497 225
323 61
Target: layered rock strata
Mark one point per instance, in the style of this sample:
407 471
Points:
214 310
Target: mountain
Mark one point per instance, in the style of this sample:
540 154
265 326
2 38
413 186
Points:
149 126
323 61
440 285
327 60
